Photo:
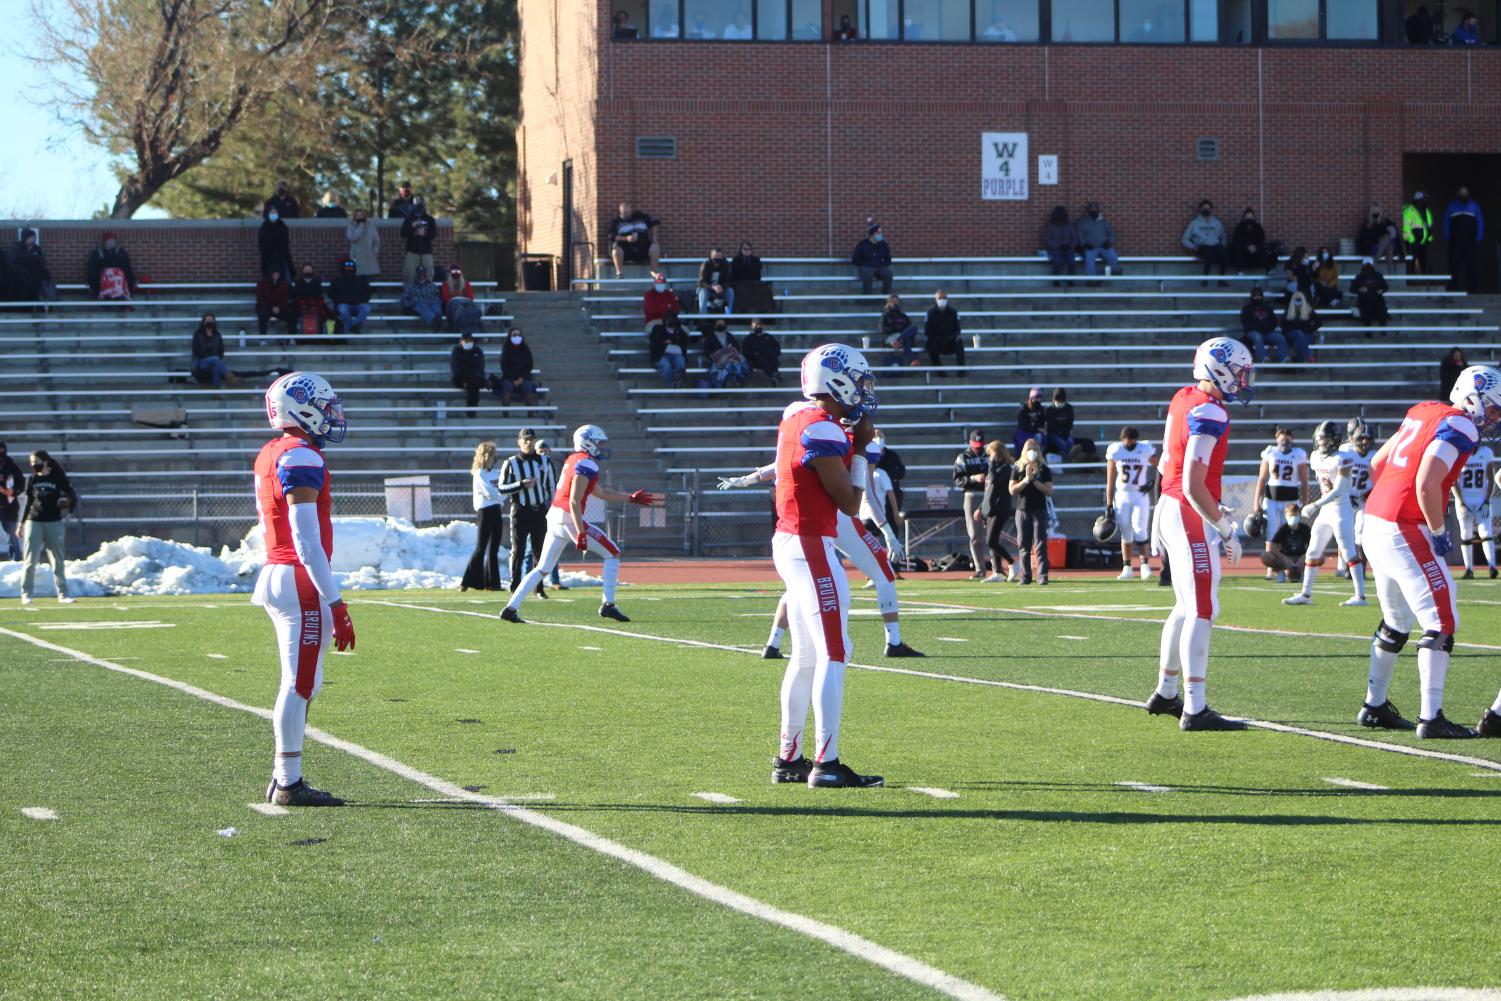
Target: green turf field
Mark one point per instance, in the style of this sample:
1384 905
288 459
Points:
525 818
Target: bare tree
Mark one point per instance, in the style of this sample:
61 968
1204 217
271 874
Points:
162 83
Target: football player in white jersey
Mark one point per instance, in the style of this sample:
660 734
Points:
1332 515
1128 492
1472 505
1357 446
1283 477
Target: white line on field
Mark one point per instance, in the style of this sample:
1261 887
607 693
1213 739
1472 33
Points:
951 639
1335 780
462 650
269 809
1336 738
935 793
1485 775
846 941
107 625
593 649
715 797
1388 994
219 656
39 812
525 797
1067 637
1144 787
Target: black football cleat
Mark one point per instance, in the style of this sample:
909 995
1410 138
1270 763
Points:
1440 728
1490 724
611 612
1467 575
1208 719
1159 705
902 650
1494 572
836 774
510 614
790 771
1383 717
771 653
299 793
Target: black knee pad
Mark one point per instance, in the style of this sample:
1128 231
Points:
1389 639
1437 641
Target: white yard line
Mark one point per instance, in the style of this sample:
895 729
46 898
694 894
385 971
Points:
715 797
39 812
462 650
269 809
1143 787
951 639
935 793
593 649
1084 639
217 656
1336 738
1335 780
888 959
84 626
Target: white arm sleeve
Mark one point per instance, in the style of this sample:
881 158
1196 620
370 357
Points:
307 539
858 465
1199 448
1443 451
766 473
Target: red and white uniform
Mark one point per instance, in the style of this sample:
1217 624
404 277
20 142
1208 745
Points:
1414 585
561 538
1197 430
284 588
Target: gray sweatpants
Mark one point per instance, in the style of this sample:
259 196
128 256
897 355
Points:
48 536
975 529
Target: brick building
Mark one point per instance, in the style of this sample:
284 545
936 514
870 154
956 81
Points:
792 144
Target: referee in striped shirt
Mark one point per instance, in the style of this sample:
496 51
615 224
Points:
527 480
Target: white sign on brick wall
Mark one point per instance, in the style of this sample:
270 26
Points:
1003 166
1047 168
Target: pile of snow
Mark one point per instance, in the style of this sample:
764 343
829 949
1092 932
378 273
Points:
369 554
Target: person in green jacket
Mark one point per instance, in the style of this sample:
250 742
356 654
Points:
1417 232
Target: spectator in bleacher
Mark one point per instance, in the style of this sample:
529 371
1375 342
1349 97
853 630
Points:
1297 273
1059 238
274 240
1379 236
1369 286
667 346
942 331
1418 28
283 203
516 367
462 312
48 496
996 508
1059 422
422 297
1097 241
110 275
898 332
633 238
1326 290
466 365
872 259
1468 31
1031 485
208 355
1258 329
364 244
1204 237
330 209
29 279
1417 233
12 485
419 230
716 280
1448 371
1031 421
658 301
846 31
970 468
746 265
402 204
623 30
762 352
351 295
310 302
1299 323
1248 249
273 301
725 365
1464 226
752 291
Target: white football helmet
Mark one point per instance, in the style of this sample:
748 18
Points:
842 372
1477 392
1227 363
590 439
304 401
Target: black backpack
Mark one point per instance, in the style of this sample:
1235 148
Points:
893 464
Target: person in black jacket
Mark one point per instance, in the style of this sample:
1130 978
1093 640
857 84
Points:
110 275
1031 420
970 467
418 230
1059 420
898 332
942 330
716 280
401 205
996 509
208 354
49 495
516 370
1258 328
309 303
762 351
12 486
667 346
1248 245
872 260
1449 368
283 203
1369 286
28 269
1031 485
351 295
275 243
466 363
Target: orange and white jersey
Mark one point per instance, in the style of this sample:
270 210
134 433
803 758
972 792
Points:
803 504
578 464
1430 426
283 465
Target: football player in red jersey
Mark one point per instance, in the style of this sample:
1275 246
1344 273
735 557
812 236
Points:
814 455
296 586
1405 541
1191 525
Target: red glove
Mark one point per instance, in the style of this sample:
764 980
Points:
642 497
582 542
343 627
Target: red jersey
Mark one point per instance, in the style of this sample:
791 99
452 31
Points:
282 466
1193 412
577 464
804 506
1395 495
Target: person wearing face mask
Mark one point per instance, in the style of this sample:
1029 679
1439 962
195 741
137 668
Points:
970 469
1287 546
1370 287
419 230
1417 232
401 205
309 304
658 301
48 496
330 209
1248 251
872 260
12 486
110 275
1031 485
1031 421
1326 290
667 347
283 203
1299 324
1258 329
273 301
364 244
274 240
1059 238
208 355
421 296
942 332
1464 227
762 352
898 332
466 365
29 279
351 295
1378 236
1204 237
716 281
516 370
1097 241
1282 480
